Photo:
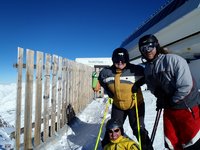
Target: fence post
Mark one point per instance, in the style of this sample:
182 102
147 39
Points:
63 109
54 93
38 98
59 92
28 100
19 98
46 96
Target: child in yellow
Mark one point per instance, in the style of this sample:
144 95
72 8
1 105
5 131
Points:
117 140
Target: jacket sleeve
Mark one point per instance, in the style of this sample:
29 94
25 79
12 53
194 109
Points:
101 78
138 84
139 71
184 80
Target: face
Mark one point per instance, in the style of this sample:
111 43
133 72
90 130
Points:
149 51
114 133
150 55
120 65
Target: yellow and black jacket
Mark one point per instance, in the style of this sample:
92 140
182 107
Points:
122 143
119 84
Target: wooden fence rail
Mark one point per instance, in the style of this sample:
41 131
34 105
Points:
52 85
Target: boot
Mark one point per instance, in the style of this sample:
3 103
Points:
145 140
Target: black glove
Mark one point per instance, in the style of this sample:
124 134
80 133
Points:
137 85
159 93
160 104
162 99
135 88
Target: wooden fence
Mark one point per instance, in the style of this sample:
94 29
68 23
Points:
54 87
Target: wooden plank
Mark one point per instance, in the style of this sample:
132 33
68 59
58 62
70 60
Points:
59 93
70 90
77 86
12 134
79 90
19 97
64 93
38 98
28 99
82 87
46 96
54 93
67 88
73 84
24 66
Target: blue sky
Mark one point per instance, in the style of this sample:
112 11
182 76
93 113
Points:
67 28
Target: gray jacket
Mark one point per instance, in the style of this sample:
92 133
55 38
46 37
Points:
170 74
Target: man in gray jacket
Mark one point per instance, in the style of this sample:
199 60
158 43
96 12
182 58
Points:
169 78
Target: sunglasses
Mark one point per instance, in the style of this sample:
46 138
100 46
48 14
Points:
147 48
113 131
118 59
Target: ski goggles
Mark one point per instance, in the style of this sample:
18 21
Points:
114 131
119 58
147 47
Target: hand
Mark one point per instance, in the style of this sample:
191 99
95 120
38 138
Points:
159 93
160 103
164 103
135 88
163 100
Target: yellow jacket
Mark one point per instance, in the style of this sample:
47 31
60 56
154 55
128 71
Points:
122 143
119 83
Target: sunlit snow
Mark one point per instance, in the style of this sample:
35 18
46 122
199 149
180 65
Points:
82 132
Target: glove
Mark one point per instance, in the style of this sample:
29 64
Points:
135 88
163 100
138 84
160 104
159 93
166 102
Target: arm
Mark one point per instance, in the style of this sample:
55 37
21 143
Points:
138 84
141 79
101 78
184 82
178 79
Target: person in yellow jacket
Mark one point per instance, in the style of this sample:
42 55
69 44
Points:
120 81
117 140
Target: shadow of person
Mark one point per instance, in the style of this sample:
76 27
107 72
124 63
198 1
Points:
84 134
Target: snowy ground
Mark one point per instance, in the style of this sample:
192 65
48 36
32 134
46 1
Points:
81 134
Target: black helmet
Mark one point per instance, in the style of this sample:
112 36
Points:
120 54
113 124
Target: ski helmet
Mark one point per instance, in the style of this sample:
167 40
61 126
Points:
120 54
148 41
113 124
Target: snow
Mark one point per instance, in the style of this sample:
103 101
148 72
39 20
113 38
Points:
82 132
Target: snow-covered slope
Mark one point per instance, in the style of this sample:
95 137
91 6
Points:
81 134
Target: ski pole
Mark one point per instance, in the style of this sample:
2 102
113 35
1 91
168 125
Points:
155 125
138 121
104 117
